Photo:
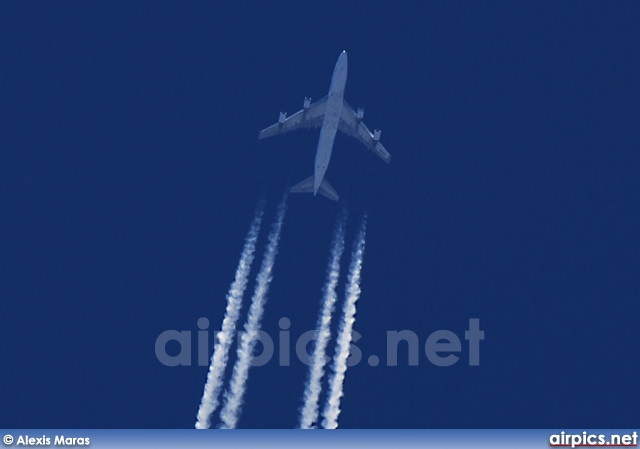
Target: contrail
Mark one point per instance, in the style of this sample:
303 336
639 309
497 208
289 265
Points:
309 412
336 384
234 395
220 356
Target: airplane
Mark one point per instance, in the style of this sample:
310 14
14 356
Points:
332 113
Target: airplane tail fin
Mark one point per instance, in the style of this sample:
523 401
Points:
325 189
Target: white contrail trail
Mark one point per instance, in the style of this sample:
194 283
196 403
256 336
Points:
336 384
234 395
309 412
220 356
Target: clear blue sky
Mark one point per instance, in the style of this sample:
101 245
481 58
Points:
130 169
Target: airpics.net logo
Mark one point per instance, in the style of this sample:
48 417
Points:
440 348
588 439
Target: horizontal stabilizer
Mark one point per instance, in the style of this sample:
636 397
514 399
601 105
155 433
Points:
325 189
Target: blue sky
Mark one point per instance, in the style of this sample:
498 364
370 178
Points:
130 169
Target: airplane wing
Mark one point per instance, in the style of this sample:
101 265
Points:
309 117
351 124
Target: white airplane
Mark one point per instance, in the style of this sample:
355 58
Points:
333 113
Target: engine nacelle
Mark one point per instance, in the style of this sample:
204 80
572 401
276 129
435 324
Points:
307 103
360 114
376 135
282 118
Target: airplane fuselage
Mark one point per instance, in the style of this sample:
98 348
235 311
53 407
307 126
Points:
331 114
331 119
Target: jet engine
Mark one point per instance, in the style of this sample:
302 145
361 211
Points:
282 118
376 135
360 114
307 103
